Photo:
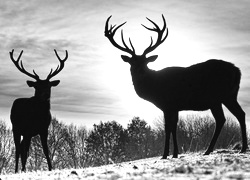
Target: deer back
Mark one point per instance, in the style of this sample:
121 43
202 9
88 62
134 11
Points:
192 88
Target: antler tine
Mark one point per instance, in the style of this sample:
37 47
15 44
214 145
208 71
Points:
21 67
59 67
131 45
61 60
152 29
110 32
123 41
160 32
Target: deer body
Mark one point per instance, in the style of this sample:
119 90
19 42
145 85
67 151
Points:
199 87
34 112
31 116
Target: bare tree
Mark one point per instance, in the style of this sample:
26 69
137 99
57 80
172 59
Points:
6 148
31 116
67 147
58 141
81 150
75 150
199 87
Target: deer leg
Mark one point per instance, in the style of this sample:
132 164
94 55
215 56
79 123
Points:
167 136
237 111
44 137
170 127
25 144
174 128
220 120
17 139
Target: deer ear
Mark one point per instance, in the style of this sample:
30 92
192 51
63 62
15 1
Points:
125 58
152 58
54 83
30 83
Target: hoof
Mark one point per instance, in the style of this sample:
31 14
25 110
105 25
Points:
175 156
243 151
163 157
206 153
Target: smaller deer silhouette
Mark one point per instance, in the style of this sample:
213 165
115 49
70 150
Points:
31 116
199 87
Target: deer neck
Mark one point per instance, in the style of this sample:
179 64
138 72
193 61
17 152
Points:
38 102
142 80
140 74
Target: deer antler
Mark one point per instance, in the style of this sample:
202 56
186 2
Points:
160 32
109 33
59 67
20 67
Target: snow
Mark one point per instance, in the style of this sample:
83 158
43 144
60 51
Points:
222 164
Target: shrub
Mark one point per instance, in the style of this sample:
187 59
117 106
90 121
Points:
105 143
141 140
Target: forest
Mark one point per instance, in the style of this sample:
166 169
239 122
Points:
109 142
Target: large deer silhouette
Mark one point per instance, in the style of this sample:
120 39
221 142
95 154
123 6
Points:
31 116
199 87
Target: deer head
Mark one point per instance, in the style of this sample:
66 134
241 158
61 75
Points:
42 87
137 61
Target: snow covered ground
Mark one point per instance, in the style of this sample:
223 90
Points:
222 164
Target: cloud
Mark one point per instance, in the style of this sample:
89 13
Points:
95 81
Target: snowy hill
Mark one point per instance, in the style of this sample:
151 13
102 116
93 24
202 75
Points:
222 164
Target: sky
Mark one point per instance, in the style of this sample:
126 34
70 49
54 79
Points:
95 83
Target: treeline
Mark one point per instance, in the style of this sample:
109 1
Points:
108 142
